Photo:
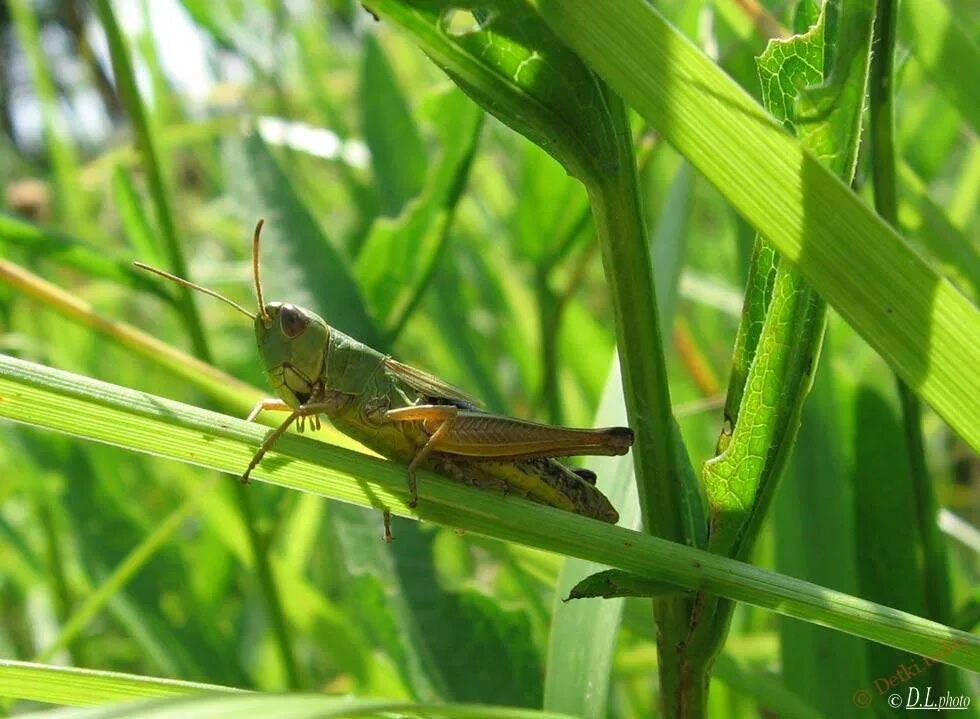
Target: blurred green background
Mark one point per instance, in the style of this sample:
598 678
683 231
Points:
402 215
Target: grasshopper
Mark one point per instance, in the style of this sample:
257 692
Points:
409 416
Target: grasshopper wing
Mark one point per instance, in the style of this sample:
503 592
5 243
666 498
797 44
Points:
430 386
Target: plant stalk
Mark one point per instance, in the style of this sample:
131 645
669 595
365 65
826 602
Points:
935 570
628 269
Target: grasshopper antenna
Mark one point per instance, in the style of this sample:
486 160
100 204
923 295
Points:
266 320
187 283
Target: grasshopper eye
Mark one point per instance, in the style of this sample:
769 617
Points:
293 321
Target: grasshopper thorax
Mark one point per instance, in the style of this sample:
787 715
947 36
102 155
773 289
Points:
293 343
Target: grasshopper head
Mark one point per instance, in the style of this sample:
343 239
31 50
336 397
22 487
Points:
292 342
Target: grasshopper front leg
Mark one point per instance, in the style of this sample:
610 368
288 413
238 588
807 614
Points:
301 412
311 410
272 404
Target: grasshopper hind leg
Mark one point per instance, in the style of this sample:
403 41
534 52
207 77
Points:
446 415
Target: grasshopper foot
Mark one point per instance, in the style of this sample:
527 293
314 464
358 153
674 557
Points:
386 518
413 492
251 465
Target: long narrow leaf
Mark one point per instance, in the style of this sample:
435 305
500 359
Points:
63 249
85 687
396 261
398 155
55 400
942 42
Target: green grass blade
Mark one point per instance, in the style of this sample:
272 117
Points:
134 220
86 687
146 144
669 243
56 400
398 155
398 256
57 137
942 42
926 330
293 706
60 248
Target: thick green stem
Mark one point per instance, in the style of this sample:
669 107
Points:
626 260
882 116
663 504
